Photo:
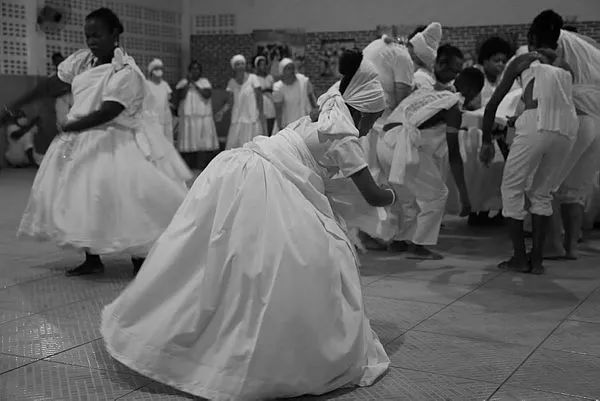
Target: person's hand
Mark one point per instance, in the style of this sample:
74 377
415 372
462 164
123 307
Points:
219 116
487 153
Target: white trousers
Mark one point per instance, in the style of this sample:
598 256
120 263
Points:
423 211
536 158
581 165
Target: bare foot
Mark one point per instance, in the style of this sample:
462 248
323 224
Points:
515 265
420 252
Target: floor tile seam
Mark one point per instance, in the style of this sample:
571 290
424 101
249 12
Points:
75 365
401 300
496 275
31 362
83 344
477 339
544 390
393 366
443 308
539 346
44 358
30 281
30 314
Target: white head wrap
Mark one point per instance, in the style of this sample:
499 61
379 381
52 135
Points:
522 50
364 92
258 60
237 59
154 64
426 43
284 63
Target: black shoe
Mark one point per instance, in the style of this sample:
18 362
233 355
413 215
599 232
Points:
87 268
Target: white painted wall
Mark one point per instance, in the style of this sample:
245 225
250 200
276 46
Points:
353 15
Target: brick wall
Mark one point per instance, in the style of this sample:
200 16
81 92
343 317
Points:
215 51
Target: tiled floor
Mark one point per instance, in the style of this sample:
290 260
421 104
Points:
456 329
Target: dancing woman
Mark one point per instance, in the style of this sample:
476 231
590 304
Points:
94 190
255 284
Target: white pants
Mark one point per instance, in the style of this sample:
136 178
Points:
423 212
536 158
581 166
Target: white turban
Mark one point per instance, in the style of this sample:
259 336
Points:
258 60
238 58
426 43
364 92
154 64
284 63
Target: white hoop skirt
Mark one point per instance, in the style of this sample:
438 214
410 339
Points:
251 293
96 191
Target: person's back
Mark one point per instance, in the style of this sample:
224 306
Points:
387 59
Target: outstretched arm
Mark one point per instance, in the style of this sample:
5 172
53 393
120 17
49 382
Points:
50 87
108 111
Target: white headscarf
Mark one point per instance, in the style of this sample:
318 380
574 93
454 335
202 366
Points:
258 60
237 59
154 64
284 63
364 92
426 43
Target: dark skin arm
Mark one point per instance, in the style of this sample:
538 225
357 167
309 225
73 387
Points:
373 193
23 130
453 119
108 111
51 87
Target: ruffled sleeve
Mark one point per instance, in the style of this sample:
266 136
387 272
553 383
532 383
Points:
73 65
125 87
347 154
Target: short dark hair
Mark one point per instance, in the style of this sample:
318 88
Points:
109 17
571 28
471 77
448 52
195 63
492 46
545 29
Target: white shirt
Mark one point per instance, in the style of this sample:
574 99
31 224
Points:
393 64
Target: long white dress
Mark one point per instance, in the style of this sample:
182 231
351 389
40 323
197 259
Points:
293 98
160 108
155 144
95 190
245 121
253 291
197 130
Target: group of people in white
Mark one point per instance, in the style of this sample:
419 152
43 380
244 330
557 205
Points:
247 285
